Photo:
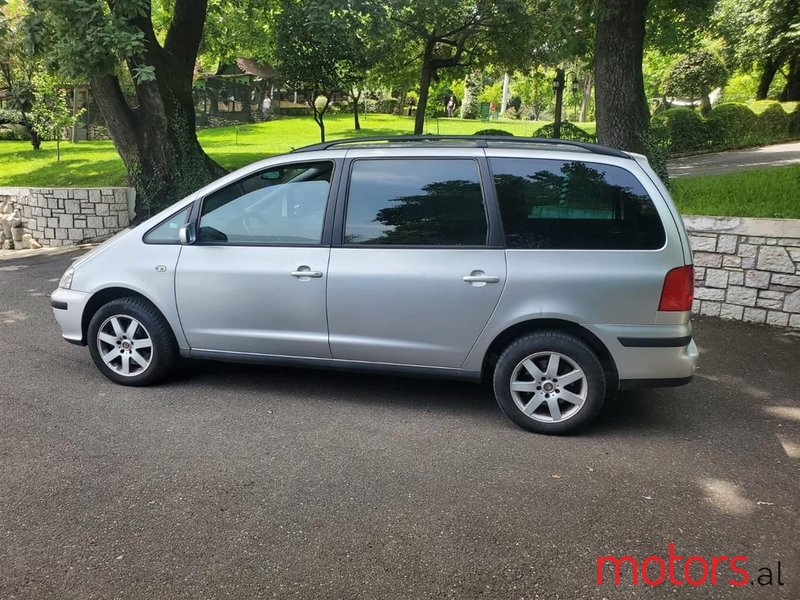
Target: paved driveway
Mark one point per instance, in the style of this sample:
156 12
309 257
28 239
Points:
735 160
244 482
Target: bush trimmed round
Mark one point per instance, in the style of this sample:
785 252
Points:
569 132
681 130
773 124
794 122
732 125
499 132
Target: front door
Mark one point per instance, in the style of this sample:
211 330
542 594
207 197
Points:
254 281
413 281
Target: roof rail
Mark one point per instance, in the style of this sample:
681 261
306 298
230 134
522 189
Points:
478 141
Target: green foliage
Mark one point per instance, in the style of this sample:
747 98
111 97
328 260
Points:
535 90
731 125
499 132
469 105
7 134
569 131
794 122
679 130
87 37
50 114
741 87
10 116
773 124
695 75
492 93
320 49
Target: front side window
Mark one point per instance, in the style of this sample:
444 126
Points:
280 205
414 202
167 232
574 205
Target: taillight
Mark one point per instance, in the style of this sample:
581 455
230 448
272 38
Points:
678 290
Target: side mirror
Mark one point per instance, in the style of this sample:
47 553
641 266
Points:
186 234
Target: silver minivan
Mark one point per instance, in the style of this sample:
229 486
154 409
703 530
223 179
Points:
560 271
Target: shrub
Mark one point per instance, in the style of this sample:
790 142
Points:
773 124
794 122
568 132
499 132
731 125
14 131
511 113
387 105
10 116
680 130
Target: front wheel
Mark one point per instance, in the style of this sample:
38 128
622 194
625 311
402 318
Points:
131 342
549 382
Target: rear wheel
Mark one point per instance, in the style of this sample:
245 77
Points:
131 342
549 382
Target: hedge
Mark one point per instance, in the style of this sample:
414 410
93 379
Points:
729 125
680 130
732 125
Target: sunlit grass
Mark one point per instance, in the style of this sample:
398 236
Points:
94 164
770 192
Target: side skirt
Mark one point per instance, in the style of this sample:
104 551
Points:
332 363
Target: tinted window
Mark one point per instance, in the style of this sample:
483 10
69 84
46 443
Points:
415 202
552 204
281 205
167 232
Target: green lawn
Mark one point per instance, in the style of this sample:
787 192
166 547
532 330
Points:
770 192
97 163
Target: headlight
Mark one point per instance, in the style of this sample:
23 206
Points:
66 279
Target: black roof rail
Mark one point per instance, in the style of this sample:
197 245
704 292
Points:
479 141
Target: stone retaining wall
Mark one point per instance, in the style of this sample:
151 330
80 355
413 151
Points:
747 269
64 216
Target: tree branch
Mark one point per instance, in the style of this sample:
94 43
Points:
186 31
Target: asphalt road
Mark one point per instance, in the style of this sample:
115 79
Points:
253 482
735 160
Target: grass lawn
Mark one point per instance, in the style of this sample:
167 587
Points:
771 192
94 164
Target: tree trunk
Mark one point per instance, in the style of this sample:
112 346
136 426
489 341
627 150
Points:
424 86
356 98
620 102
587 97
157 140
767 75
319 118
705 103
401 102
791 90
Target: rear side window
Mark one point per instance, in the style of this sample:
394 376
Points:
553 204
415 202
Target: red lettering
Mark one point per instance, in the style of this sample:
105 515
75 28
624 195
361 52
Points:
715 561
673 558
617 562
687 570
662 570
745 575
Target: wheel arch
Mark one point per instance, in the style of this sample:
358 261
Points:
106 295
517 330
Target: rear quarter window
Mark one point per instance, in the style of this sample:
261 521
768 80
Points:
574 205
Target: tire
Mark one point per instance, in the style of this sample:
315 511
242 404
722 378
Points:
540 402
148 351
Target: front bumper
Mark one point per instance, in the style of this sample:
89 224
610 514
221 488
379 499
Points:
68 308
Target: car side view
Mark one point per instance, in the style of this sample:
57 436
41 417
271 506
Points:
560 271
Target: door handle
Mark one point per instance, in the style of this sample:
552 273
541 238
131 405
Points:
475 278
306 272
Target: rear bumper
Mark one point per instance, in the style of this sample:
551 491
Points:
651 356
68 308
